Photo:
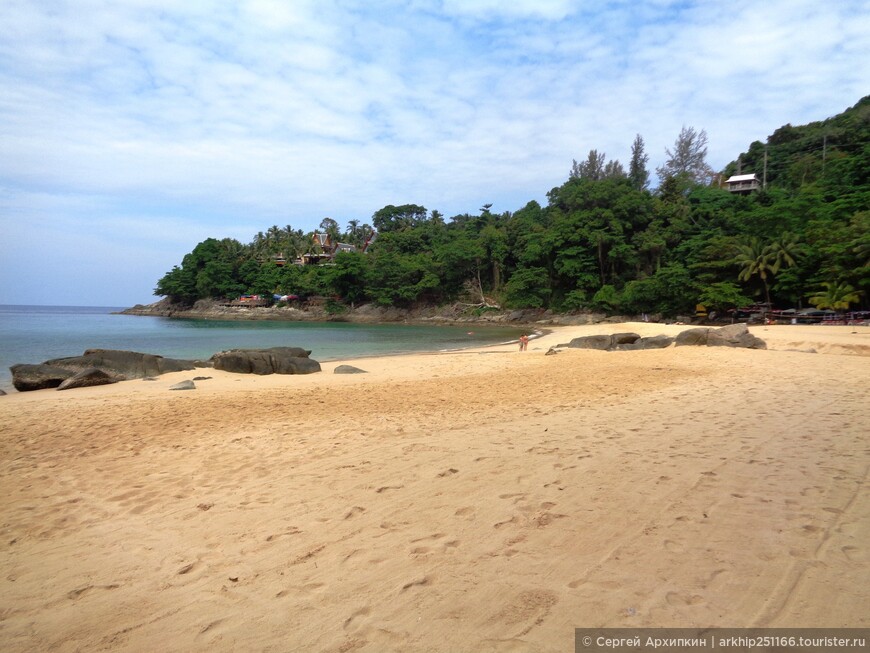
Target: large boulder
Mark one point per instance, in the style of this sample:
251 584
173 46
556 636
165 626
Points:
276 360
624 339
734 335
88 377
589 342
119 363
656 342
693 337
116 365
603 342
38 377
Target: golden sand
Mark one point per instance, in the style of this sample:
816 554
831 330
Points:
489 500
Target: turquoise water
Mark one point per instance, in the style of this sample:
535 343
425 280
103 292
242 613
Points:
32 334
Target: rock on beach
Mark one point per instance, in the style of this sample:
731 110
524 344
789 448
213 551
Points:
113 365
275 360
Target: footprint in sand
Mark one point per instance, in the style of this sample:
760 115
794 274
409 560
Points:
529 609
852 553
389 487
420 582
362 612
353 512
81 591
675 598
674 547
292 530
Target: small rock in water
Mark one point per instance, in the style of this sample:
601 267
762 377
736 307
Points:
184 385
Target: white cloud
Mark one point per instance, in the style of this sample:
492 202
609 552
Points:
231 119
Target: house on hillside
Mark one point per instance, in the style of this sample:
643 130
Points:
743 184
324 249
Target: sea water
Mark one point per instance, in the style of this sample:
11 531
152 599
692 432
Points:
33 334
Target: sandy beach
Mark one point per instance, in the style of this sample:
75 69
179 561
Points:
484 500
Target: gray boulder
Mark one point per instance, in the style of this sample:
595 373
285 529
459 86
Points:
650 342
276 360
38 377
119 363
603 342
656 342
183 385
624 338
349 369
734 335
628 346
88 377
693 337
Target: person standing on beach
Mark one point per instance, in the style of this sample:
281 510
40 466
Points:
524 342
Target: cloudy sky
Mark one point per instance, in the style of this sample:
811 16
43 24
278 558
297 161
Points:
130 130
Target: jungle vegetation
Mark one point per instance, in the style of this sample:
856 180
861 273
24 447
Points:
605 240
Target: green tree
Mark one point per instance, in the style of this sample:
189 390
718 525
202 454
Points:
835 296
670 290
723 295
527 288
754 260
765 260
347 277
396 218
592 168
638 175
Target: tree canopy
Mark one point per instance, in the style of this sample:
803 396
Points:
604 240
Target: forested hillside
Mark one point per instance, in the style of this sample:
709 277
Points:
604 240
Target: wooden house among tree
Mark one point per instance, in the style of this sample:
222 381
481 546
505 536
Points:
743 184
324 249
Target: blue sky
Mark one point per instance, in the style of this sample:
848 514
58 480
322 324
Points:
130 130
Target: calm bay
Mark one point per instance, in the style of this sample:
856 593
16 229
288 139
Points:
33 334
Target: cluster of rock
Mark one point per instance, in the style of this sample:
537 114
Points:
94 367
733 335
104 366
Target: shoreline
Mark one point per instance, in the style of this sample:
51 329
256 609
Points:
448 315
445 501
837 340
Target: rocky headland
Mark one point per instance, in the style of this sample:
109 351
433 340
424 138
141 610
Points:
320 311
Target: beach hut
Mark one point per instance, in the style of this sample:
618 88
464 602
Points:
743 184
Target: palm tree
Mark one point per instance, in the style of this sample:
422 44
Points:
353 232
756 259
765 261
784 251
835 296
